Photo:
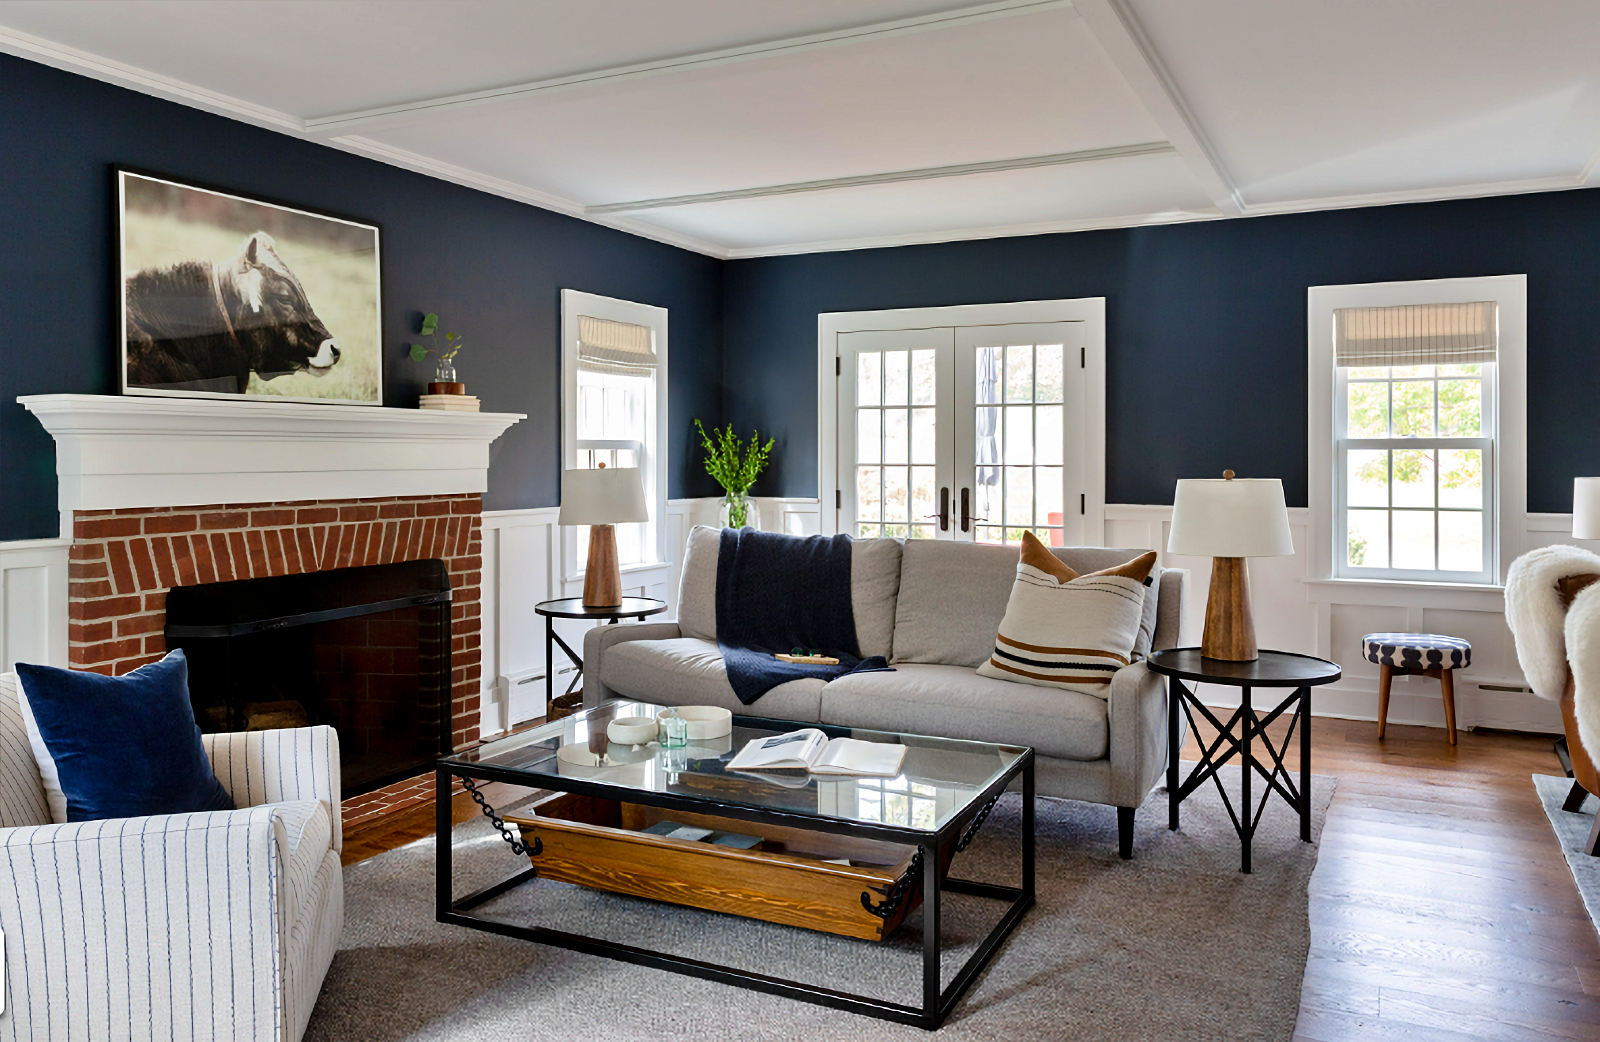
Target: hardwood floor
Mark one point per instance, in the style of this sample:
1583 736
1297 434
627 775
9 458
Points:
1441 908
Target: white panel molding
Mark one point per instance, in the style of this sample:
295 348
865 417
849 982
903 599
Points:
33 602
431 108
119 451
519 566
1091 155
1116 26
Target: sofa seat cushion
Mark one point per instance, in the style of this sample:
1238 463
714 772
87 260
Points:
954 702
689 671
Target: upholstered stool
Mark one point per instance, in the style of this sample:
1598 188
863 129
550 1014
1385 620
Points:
1422 654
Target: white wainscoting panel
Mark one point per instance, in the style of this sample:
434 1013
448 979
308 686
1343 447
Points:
1293 611
33 602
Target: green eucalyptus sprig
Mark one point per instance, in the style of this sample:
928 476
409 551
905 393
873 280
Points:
430 328
734 466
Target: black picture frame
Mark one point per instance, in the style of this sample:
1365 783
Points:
231 296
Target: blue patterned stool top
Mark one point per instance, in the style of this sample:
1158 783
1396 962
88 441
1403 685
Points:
1417 650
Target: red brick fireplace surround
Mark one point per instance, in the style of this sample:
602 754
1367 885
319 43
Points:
123 562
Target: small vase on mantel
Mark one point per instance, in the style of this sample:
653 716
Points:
739 510
444 379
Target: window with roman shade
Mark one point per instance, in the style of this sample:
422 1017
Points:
614 407
1415 440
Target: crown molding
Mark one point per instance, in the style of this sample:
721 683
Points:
926 173
429 108
1417 195
70 59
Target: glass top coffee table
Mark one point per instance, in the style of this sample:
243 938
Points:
844 855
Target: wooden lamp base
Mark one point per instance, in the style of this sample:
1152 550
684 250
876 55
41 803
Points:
1230 633
602 577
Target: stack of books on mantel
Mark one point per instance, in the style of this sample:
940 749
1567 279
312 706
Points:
451 402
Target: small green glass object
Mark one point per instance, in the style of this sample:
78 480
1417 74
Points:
674 731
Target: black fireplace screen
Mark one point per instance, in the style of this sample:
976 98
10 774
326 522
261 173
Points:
366 650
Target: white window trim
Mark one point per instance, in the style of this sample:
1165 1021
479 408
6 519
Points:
1091 311
1323 389
573 304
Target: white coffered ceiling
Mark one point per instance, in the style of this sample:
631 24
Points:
750 127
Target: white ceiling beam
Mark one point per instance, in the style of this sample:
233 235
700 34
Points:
1117 28
889 177
418 111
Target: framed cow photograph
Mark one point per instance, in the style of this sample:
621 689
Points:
223 296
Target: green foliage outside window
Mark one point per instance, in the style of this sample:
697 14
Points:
1460 416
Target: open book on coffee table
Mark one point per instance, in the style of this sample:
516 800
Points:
809 750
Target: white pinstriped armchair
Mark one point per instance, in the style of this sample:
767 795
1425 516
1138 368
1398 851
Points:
218 925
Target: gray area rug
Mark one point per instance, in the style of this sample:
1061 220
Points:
1572 829
1176 943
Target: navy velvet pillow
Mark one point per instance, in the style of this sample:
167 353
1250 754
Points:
126 746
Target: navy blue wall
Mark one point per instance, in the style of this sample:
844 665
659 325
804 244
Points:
493 268
1206 328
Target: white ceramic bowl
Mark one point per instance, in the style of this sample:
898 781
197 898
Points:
703 721
632 730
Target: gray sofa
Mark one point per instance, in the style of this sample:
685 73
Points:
933 609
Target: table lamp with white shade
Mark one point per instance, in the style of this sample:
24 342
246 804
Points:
602 499
1229 519
1586 508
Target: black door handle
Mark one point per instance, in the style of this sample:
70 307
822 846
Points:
944 509
966 511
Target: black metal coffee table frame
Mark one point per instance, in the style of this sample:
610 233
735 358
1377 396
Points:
959 830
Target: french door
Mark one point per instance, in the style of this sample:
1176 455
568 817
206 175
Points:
972 433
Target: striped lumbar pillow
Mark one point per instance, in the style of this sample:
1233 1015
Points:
1066 630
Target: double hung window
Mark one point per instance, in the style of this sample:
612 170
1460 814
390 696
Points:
614 409
1415 441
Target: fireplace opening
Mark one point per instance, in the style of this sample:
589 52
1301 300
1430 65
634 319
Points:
366 650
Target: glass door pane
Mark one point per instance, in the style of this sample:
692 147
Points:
1019 404
895 432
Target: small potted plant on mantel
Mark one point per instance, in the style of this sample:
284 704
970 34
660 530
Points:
445 392
735 468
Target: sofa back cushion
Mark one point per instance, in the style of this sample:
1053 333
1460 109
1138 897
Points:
874 587
953 596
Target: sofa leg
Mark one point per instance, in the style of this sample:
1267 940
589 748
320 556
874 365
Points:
1125 833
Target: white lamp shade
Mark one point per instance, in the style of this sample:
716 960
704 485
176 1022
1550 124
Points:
610 496
1230 517
1586 508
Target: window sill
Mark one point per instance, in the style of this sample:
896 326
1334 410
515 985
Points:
627 569
1407 593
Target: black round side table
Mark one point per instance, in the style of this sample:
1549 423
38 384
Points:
1276 669
573 608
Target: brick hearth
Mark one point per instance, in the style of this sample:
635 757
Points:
123 562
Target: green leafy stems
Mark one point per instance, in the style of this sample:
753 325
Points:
430 328
734 466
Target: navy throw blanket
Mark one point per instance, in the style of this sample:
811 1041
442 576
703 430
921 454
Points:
776 593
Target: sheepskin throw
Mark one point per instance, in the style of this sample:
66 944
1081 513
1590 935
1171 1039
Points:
1583 652
1066 630
1534 614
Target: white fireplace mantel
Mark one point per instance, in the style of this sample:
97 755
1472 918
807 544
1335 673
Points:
115 452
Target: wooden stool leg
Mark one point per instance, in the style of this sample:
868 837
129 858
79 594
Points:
1449 702
1385 674
1575 797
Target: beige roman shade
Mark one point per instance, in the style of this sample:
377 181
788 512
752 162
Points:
1416 334
621 348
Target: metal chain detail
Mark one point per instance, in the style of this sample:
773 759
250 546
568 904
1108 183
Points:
892 900
517 847
971 831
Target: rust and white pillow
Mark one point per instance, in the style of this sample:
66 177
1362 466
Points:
1066 630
